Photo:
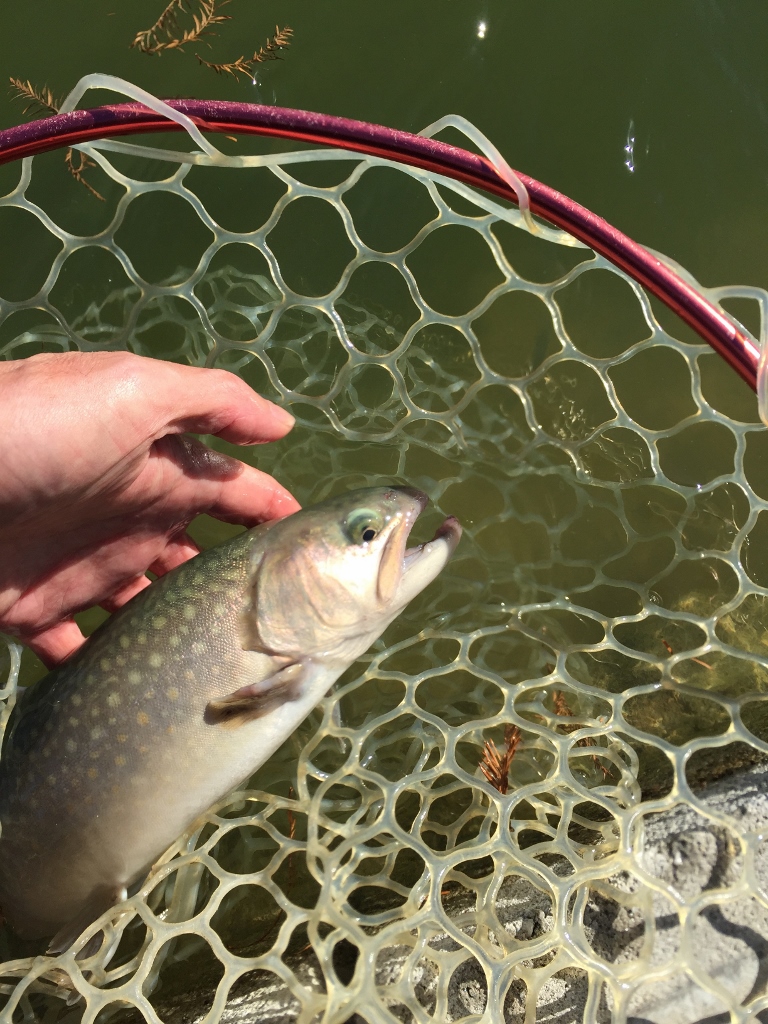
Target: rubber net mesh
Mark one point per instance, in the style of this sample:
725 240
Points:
606 600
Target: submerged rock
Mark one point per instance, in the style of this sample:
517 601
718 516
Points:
687 936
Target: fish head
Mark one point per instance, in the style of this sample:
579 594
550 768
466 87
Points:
332 577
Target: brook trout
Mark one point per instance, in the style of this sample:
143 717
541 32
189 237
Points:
186 691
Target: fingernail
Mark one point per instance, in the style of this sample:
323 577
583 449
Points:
283 418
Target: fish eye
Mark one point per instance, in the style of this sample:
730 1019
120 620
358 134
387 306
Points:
363 526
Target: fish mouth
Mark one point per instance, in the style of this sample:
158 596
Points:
447 534
423 562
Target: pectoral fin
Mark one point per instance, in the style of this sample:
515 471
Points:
257 700
99 901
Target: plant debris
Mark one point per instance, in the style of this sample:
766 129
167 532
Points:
76 170
42 101
166 33
495 765
245 65
563 710
696 661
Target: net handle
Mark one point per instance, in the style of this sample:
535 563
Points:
738 349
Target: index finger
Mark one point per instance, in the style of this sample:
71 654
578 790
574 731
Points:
210 401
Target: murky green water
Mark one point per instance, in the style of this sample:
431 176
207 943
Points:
559 87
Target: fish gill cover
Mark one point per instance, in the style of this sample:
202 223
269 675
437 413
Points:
472 823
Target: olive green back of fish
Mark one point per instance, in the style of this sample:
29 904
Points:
90 740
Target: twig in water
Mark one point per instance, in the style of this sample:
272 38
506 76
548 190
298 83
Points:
564 711
494 765
696 661
76 170
148 41
165 34
245 65
40 100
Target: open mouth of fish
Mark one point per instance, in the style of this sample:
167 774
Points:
447 535
422 562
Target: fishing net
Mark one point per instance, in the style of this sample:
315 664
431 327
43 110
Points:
600 628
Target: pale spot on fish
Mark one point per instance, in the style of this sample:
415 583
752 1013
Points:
142 718
74 721
159 621
125 642
71 746
174 640
95 712
120 761
170 730
172 693
189 611
141 638
97 733
105 664
143 750
134 678
155 660
189 675
77 700
51 780
121 737
219 610
93 773
113 699
46 751
149 695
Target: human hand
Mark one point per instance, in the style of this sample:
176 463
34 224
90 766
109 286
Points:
98 485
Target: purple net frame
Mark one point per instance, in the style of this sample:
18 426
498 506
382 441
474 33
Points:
714 326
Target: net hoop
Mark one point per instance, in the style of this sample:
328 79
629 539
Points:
79 127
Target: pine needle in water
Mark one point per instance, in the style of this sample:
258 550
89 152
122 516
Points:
563 710
148 41
76 170
166 34
495 765
40 101
245 65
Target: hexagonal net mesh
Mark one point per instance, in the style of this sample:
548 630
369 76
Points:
601 622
